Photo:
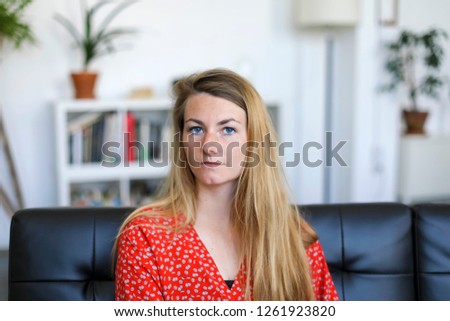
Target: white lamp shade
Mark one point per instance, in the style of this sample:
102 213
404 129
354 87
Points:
327 13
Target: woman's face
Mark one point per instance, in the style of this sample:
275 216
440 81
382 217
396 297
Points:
214 131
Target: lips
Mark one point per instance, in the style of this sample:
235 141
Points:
212 164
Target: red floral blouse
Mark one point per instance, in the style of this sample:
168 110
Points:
154 263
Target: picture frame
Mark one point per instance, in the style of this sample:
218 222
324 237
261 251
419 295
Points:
388 12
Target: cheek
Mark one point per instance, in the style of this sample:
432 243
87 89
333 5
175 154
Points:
192 152
189 143
238 152
185 139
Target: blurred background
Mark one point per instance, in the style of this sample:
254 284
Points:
316 72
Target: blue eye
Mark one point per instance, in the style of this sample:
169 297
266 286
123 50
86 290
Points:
229 130
195 130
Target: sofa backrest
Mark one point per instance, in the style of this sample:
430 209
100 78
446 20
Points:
368 247
433 251
65 253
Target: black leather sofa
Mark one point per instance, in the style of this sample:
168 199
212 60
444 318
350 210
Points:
377 251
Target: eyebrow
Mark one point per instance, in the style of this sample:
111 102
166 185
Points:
222 122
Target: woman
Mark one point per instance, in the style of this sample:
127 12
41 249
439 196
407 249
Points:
224 228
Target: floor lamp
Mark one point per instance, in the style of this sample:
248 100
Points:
327 15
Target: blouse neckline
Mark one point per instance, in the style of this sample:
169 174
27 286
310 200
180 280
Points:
214 270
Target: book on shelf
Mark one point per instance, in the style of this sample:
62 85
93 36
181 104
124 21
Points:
86 136
155 139
143 131
86 144
83 121
88 132
76 146
130 129
98 138
110 131
149 129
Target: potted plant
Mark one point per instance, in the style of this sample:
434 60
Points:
414 61
12 26
94 42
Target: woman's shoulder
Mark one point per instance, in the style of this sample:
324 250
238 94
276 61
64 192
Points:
152 221
315 253
315 248
151 231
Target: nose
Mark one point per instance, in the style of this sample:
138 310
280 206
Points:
210 145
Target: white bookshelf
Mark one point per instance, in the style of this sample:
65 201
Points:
78 174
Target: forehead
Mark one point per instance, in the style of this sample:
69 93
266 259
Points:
204 106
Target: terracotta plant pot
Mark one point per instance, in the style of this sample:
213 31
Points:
415 122
84 84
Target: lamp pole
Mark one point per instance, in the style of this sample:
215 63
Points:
328 121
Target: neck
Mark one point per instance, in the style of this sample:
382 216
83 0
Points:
214 205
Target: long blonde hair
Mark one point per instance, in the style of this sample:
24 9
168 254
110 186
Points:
272 233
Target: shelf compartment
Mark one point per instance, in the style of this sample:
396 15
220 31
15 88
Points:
106 193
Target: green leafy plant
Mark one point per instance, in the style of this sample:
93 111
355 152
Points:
12 26
98 42
414 60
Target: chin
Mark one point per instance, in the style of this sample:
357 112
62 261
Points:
214 181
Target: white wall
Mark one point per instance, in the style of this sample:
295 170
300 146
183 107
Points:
255 37
177 37
364 185
378 124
